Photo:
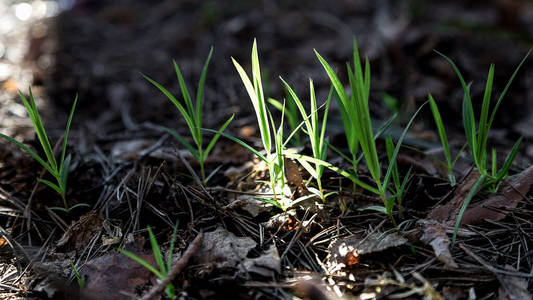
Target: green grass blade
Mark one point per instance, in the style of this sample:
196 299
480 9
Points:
67 129
63 173
79 280
493 114
441 131
172 241
469 124
157 252
508 161
184 91
33 112
399 144
30 152
216 137
184 142
467 200
243 144
54 186
200 91
483 129
188 118
315 161
260 110
142 262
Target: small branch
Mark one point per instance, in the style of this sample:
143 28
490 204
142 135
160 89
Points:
176 269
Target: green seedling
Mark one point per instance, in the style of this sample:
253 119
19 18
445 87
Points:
399 186
315 133
80 280
59 170
291 111
164 267
357 112
477 134
192 113
443 139
274 160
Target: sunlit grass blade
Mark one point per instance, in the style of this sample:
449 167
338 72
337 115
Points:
301 157
33 113
241 143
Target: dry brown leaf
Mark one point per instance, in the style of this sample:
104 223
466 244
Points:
511 193
346 252
512 287
222 249
266 265
108 275
80 233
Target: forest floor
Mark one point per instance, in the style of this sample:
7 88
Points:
131 175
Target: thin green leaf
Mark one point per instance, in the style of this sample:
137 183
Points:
399 144
260 110
200 91
483 129
508 161
157 252
493 114
30 152
243 144
52 185
172 241
215 138
188 118
442 132
467 200
65 137
142 262
185 92
184 142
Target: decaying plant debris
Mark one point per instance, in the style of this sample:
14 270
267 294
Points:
230 243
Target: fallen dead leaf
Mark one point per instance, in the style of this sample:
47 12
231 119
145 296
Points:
266 265
511 193
222 249
80 233
434 234
250 204
512 287
108 275
346 252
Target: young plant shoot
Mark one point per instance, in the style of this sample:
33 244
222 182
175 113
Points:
477 134
164 267
357 112
58 170
192 113
315 133
274 160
